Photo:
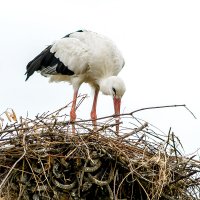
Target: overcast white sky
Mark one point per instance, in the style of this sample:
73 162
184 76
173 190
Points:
160 41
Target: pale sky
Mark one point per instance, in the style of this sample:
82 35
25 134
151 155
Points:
160 41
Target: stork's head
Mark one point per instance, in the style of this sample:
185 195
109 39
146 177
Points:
115 87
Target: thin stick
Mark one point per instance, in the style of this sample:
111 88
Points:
168 139
190 112
135 131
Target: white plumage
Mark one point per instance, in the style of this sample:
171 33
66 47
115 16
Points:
83 56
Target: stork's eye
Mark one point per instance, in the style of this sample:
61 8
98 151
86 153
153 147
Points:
114 91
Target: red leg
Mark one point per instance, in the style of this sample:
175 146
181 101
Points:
93 113
73 110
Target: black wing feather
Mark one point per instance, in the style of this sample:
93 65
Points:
47 59
36 63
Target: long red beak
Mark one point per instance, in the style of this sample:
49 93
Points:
117 104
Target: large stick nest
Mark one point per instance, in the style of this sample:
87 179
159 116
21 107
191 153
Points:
42 159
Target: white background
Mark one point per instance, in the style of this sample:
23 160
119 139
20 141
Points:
160 41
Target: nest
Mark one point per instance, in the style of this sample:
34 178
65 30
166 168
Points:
42 159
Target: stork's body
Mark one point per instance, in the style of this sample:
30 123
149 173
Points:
83 56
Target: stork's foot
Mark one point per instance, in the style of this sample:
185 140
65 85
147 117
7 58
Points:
73 129
72 120
94 120
72 115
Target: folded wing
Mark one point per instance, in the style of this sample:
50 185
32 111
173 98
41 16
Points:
67 56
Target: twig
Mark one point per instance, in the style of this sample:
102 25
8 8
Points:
191 112
134 131
174 145
168 139
183 177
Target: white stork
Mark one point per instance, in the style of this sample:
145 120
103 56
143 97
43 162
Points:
83 56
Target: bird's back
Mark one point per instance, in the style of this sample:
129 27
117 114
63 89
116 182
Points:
104 57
